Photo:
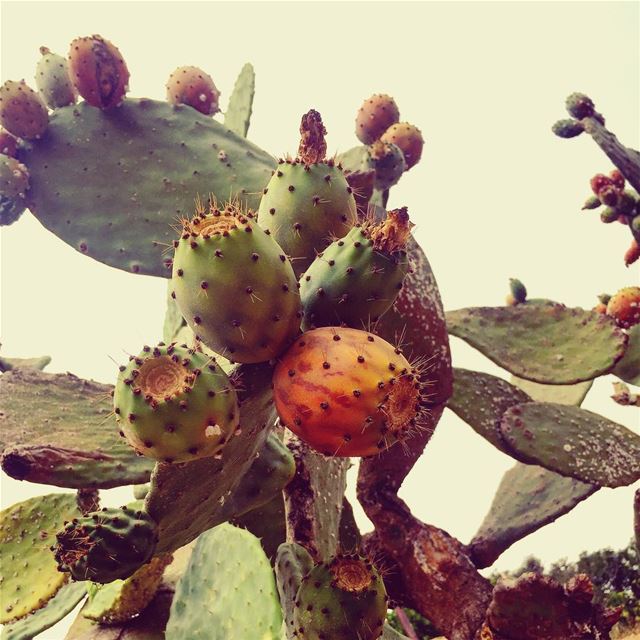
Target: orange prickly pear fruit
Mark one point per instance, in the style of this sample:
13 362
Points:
624 307
347 392
632 253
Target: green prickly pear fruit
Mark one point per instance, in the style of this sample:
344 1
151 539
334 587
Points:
568 128
8 144
375 116
175 404
53 81
635 224
347 392
626 203
409 138
10 210
608 215
192 86
98 71
355 280
388 162
592 202
343 599
517 292
22 112
580 106
308 201
14 177
106 545
234 285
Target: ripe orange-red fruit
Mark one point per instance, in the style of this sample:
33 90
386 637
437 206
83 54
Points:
624 307
346 392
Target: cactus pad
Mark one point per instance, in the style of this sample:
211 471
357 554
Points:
57 429
481 399
573 442
160 157
559 393
186 499
238 114
293 563
63 603
528 498
544 343
227 572
628 368
29 576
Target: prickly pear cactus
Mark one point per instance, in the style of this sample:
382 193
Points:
304 333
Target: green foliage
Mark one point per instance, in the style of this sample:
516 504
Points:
159 156
227 592
547 343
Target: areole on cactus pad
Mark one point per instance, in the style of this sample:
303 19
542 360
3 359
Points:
347 392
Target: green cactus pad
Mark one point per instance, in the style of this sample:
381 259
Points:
544 343
481 399
559 393
267 523
121 600
159 156
573 442
628 368
238 114
6 364
28 573
227 573
186 499
57 429
342 599
528 498
63 603
293 563
173 320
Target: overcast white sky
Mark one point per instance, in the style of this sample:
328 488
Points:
496 195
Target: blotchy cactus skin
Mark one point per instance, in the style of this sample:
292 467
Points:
409 138
346 392
53 80
305 206
356 279
235 287
175 404
98 71
22 112
341 600
107 545
375 116
14 177
192 86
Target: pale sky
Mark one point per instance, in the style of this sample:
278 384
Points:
496 195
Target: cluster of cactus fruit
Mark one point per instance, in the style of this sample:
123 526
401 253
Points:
303 328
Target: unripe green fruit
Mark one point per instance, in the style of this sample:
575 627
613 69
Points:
53 80
22 112
175 404
388 162
344 599
568 128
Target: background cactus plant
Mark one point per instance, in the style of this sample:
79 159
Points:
542 343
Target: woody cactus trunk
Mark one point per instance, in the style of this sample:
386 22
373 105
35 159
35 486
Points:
304 332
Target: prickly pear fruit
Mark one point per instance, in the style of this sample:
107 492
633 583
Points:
308 201
388 162
98 71
347 392
624 307
234 286
580 106
14 177
375 116
408 138
568 128
341 600
8 144
192 86
617 179
517 291
175 404
22 112
632 254
592 202
356 279
53 80
11 209
106 545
